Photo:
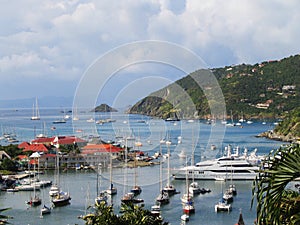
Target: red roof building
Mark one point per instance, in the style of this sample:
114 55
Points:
23 145
95 154
36 148
100 148
60 140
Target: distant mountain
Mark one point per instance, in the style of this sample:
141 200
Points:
104 108
44 102
264 90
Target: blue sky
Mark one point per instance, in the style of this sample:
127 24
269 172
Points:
46 46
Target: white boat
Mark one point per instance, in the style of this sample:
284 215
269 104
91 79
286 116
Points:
194 187
112 190
35 111
101 197
187 198
91 120
232 189
228 196
61 198
182 154
163 197
222 206
239 167
54 190
185 217
169 188
45 210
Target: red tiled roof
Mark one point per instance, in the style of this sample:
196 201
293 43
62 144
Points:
23 145
22 157
43 140
36 148
33 161
48 155
62 140
66 140
92 148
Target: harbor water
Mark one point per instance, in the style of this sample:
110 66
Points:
190 136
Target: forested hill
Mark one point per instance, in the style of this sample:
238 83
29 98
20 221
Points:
268 89
290 126
287 130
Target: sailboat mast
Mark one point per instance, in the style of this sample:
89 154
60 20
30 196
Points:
160 168
110 172
168 146
97 184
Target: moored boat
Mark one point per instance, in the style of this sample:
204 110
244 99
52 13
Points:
45 210
241 167
222 206
62 199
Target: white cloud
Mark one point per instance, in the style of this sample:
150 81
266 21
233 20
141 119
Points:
60 39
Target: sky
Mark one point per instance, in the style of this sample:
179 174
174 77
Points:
47 46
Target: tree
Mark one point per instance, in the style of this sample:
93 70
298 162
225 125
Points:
131 215
8 164
276 204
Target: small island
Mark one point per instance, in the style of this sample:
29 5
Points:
104 108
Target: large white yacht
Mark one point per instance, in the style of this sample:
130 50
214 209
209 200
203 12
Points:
228 167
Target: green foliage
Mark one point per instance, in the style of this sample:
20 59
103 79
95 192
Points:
290 126
104 108
131 215
276 204
243 87
8 164
11 150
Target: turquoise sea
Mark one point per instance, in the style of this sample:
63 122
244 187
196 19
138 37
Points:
196 135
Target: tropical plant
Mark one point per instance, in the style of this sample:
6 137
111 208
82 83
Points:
4 218
131 215
276 204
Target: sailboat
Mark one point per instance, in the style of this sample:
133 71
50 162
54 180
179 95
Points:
169 188
112 190
129 197
35 200
187 199
232 189
102 196
194 187
222 205
163 197
45 210
75 114
136 190
35 111
60 198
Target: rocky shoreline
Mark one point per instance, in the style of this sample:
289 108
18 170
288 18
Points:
270 134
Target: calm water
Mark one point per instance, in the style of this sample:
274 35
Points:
82 184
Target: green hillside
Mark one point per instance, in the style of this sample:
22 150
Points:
265 90
290 126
